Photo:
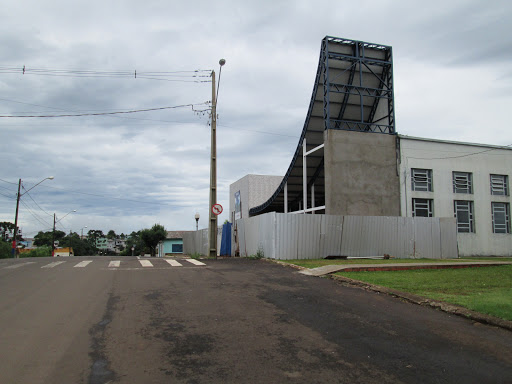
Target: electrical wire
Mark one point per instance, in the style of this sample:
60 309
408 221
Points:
456 157
31 198
109 113
41 220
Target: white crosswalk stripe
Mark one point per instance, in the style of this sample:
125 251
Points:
145 263
83 264
195 262
174 263
19 265
54 264
114 264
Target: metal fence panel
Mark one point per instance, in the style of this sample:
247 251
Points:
330 235
308 236
448 230
290 236
286 236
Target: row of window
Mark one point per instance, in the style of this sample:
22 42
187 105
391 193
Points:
421 180
464 213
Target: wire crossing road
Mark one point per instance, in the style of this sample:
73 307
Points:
229 321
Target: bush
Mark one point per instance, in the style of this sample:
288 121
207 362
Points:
5 249
43 251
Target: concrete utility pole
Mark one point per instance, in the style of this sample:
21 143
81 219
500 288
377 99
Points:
14 253
53 236
212 232
212 223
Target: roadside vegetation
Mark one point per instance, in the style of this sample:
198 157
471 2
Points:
486 290
314 263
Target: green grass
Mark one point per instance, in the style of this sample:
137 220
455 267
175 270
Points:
314 263
486 290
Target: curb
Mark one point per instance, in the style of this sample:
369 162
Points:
420 300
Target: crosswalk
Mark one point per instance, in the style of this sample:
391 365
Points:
115 264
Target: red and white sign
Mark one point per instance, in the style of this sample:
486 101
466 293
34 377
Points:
217 209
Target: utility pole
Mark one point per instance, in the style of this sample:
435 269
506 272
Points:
14 253
53 236
212 243
212 224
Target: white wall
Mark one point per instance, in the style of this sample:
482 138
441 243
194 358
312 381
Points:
254 190
444 158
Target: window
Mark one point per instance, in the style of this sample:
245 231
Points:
422 207
464 215
421 180
499 185
177 248
500 217
462 182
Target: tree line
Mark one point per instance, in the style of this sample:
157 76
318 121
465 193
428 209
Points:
144 241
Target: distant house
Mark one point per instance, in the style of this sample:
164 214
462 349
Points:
110 245
172 245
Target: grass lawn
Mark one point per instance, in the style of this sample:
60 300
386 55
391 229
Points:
486 290
314 263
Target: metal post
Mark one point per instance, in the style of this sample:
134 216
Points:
313 197
14 253
304 176
286 198
53 236
212 227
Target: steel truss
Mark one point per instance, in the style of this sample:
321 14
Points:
353 91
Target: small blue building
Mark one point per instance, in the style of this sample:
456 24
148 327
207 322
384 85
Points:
172 245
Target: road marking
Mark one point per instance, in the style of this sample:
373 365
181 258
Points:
114 264
145 263
19 265
54 264
83 264
174 263
195 262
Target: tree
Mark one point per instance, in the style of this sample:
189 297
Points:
111 234
151 237
5 249
80 247
45 238
136 242
6 228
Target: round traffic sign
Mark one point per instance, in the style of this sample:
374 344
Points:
217 209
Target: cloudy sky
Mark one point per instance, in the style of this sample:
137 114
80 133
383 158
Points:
452 72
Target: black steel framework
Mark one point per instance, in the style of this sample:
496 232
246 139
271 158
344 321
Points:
353 91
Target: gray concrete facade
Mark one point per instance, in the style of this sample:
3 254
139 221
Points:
361 176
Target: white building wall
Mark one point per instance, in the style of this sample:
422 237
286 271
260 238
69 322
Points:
445 157
254 190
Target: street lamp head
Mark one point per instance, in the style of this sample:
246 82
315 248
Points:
50 178
197 216
222 62
74 210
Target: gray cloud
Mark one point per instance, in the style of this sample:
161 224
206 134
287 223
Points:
452 60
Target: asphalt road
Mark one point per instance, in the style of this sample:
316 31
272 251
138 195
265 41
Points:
229 321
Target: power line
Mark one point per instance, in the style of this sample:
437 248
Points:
110 113
456 157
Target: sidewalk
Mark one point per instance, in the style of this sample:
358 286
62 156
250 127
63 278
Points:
328 269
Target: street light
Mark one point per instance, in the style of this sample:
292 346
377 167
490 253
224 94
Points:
212 223
55 221
197 221
82 237
14 253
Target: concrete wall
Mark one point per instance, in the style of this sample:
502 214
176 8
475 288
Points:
443 158
254 190
290 236
361 175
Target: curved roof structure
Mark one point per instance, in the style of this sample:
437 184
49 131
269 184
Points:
353 91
